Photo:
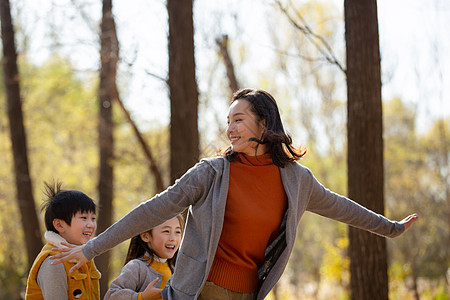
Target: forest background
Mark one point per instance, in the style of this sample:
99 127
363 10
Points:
59 61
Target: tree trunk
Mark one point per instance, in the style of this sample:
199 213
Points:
27 206
109 53
184 137
368 258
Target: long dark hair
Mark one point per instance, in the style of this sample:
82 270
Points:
278 142
138 248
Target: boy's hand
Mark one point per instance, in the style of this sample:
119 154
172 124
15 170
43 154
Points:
72 252
409 220
151 292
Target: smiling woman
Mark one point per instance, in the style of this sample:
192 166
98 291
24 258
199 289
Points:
244 209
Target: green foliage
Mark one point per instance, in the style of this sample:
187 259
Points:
416 168
60 120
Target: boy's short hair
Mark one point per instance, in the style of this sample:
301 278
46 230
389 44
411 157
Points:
62 204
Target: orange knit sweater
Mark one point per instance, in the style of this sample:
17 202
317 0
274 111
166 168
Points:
255 206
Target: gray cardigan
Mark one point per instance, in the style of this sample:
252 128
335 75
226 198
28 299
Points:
203 189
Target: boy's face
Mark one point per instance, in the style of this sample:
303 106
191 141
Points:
81 229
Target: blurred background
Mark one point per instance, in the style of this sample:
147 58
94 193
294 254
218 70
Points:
112 108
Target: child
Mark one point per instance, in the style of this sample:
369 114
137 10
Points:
151 256
69 218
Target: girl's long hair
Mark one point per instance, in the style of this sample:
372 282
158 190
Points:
279 143
138 248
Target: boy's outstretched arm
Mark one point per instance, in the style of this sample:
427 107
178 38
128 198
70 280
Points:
72 252
409 220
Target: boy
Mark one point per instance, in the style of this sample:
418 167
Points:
69 218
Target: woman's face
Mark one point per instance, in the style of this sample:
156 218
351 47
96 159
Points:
243 124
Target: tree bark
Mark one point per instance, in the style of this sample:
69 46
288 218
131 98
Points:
27 206
184 137
368 258
109 55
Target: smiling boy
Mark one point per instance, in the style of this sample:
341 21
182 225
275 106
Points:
70 217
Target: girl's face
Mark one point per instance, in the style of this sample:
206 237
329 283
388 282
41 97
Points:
243 124
164 239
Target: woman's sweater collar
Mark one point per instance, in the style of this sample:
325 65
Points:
260 160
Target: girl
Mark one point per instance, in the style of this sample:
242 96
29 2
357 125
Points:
244 209
150 259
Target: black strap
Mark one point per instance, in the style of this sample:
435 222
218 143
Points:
273 252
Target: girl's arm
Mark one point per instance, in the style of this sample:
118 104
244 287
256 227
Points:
131 281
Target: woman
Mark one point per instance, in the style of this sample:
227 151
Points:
244 208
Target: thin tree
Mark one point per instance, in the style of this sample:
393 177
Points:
152 165
222 43
27 207
109 55
184 136
368 257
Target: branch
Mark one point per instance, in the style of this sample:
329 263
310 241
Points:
156 76
223 46
87 19
322 46
148 153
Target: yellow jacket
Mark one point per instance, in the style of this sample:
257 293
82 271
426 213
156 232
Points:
82 284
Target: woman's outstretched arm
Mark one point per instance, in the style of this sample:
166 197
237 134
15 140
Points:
166 205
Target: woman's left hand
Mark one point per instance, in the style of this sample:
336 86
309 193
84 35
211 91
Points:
409 220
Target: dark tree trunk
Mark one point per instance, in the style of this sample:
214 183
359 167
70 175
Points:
368 258
27 206
109 53
184 137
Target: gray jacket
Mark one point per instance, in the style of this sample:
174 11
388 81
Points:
133 279
204 190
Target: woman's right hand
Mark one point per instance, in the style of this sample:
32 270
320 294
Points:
151 292
69 253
